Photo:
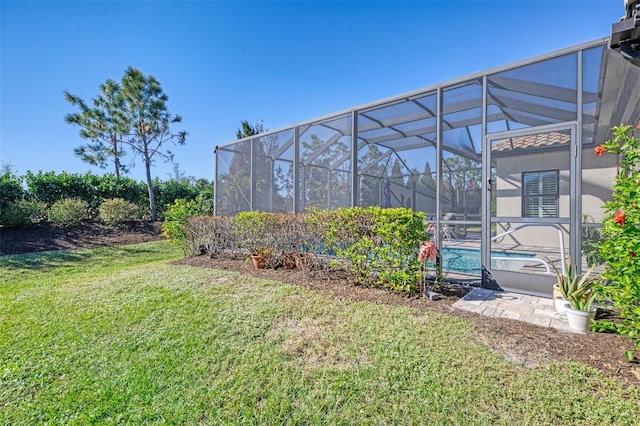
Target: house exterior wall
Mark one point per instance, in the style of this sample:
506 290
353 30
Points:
509 195
597 176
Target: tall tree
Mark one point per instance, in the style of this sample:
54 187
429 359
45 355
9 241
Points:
102 124
397 173
324 186
146 110
427 178
134 114
372 180
247 129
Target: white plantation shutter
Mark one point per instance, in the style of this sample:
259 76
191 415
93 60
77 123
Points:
540 194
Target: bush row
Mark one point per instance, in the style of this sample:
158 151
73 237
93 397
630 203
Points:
30 198
67 212
375 246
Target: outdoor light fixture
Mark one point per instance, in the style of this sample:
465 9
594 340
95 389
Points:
625 35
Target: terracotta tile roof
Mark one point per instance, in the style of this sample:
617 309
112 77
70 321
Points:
532 141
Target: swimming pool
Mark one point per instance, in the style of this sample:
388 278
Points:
468 260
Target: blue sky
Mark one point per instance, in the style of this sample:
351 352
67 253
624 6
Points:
276 62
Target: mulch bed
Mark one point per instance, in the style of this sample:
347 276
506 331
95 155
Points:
519 342
46 237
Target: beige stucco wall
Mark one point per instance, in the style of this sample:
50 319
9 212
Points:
597 176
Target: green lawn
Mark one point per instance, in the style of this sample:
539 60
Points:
119 335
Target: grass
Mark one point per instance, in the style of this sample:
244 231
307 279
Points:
119 335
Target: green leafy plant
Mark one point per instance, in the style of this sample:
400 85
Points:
174 225
378 246
10 188
13 215
250 227
591 239
116 211
620 247
50 187
37 211
579 290
260 233
110 186
69 212
23 212
167 192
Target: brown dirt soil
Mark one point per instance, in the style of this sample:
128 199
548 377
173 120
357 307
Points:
519 342
46 237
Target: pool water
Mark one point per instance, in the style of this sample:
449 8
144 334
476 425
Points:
468 260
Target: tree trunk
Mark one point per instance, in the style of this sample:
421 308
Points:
117 161
116 155
152 197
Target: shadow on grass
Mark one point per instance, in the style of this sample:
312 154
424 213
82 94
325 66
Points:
42 261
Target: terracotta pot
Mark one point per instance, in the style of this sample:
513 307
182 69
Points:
302 260
259 261
289 261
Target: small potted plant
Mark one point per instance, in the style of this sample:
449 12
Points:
559 302
259 259
579 290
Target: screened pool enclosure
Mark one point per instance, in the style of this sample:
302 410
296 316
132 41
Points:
500 161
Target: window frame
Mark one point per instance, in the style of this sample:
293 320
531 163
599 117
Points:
525 196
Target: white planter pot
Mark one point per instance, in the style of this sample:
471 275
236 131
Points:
580 320
560 304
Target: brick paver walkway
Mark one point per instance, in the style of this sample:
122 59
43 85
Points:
535 310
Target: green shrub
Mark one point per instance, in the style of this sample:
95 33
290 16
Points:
37 211
253 230
109 186
175 218
167 192
51 187
69 211
268 234
10 188
12 214
205 198
116 210
620 247
378 246
23 212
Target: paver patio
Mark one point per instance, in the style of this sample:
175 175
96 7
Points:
499 304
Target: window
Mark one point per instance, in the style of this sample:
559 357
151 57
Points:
540 194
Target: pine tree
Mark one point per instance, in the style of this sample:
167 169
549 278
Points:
103 125
132 114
